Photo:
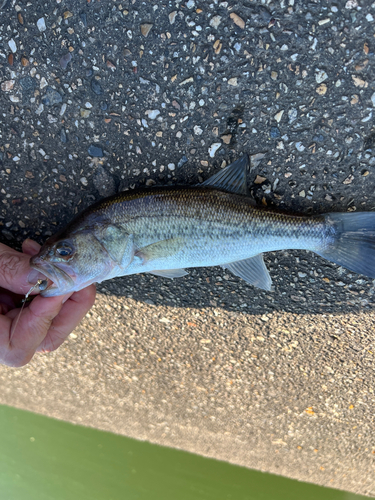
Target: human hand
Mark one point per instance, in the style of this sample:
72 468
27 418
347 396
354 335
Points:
44 323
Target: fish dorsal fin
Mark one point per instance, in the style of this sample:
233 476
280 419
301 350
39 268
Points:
170 273
252 270
232 178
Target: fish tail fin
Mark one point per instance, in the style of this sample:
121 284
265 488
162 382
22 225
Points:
350 241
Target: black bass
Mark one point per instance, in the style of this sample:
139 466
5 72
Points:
165 230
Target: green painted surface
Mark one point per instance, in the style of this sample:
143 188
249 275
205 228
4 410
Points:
45 459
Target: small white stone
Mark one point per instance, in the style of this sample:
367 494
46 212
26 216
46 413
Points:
190 4
284 47
213 148
63 109
215 21
14 98
373 99
144 123
41 24
320 76
12 45
233 82
43 83
42 152
302 194
171 166
367 118
300 146
279 115
201 102
88 105
198 130
369 18
84 181
152 113
16 158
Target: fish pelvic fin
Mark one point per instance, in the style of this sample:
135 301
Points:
351 241
253 271
170 273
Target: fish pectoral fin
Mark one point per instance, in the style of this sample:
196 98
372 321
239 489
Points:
232 178
117 242
170 273
252 270
160 249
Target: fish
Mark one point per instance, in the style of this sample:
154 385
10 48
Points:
166 230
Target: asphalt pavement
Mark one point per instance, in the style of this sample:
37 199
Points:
98 97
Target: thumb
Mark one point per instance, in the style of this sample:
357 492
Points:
14 270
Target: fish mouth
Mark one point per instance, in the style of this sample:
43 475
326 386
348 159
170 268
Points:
60 281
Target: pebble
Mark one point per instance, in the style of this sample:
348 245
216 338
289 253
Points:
197 130
182 161
9 84
85 113
233 82
320 76
145 29
292 115
104 182
39 109
256 159
12 45
152 113
63 109
65 60
172 17
171 166
51 97
84 181
373 99
300 146
96 87
279 115
215 21
275 132
41 24
63 137
95 151
322 89
43 83
213 148
302 194
226 138
237 20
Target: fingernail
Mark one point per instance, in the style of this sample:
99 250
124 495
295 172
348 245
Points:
34 276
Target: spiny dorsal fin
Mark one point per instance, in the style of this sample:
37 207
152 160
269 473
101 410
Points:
252 270
232 178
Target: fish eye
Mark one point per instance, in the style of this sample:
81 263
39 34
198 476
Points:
64 250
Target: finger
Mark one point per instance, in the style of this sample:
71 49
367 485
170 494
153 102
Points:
14 270
30 247
72 312
32 327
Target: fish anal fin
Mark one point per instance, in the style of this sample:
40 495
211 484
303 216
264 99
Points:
170 273
252 270
232 178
